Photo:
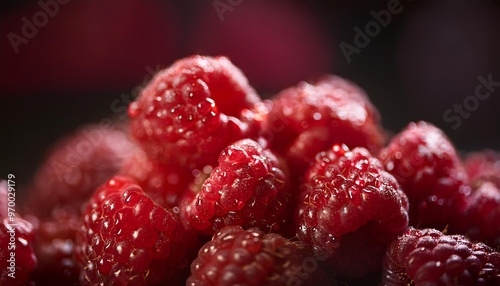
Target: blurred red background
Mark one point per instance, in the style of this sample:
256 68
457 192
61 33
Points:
66 63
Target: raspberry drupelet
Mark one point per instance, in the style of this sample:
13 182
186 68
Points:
350 210
192 110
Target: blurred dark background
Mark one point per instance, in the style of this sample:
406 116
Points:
66 63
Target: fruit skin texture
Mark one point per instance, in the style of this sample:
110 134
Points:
483 166
428 257
25 259
126 238
350 209
164 184
480 220
192 110
248 188
251 257
310 118
430 172
77 165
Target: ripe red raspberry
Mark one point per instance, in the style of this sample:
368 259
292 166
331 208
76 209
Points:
251 257
164 184
16 237
54 247
126 238
77 165
308 119
427 167
192 110
480 220
428 257
350 209
248 188
483 166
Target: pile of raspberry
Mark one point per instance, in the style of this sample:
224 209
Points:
207 184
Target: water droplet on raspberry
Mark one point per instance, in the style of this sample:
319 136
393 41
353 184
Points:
206 106
134 109
340 150
112 183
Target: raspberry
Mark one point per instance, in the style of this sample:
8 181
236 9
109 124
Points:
192 110
247 188
307 119
483 166
16 237
480 219
250 257
77 165
427 167
126 238
350 209
164 184
428 257
54 246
